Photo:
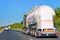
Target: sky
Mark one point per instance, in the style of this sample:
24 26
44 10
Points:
12 11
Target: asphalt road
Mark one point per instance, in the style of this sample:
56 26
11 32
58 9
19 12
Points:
18 35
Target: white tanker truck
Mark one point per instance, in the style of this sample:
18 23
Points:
39 22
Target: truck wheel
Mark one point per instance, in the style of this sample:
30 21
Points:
26 33
23 33
35 35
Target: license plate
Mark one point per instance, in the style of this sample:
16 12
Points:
39 34
47 34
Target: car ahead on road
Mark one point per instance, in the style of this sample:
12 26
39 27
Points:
7 28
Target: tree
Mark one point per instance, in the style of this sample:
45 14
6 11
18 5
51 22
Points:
57 11
57 18
21 22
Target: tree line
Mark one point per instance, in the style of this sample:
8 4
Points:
56 21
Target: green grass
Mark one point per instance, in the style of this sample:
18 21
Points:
1 29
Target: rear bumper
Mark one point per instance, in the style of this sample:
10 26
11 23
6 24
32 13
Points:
47 35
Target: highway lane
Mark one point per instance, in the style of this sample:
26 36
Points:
12 35
18 35
33 38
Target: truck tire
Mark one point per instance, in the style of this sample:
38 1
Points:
35 35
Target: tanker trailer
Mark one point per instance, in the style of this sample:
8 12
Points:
40 22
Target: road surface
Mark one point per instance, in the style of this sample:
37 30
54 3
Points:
18 35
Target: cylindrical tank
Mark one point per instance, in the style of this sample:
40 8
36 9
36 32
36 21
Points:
43 13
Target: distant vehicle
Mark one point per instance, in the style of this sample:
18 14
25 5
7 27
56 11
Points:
7 28
39 22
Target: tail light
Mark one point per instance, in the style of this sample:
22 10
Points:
39 32
57 33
